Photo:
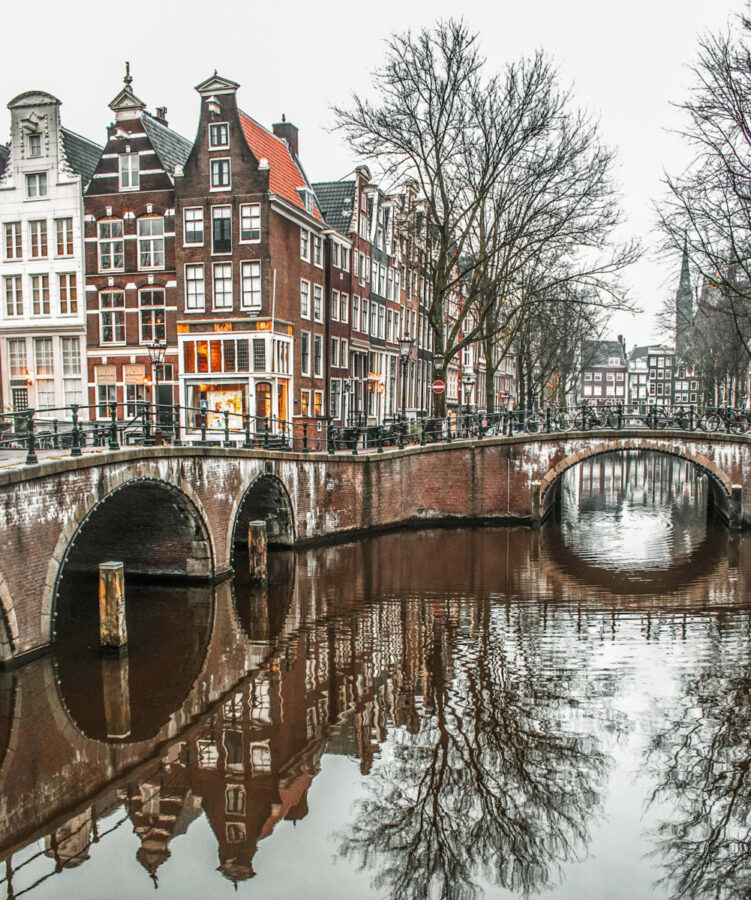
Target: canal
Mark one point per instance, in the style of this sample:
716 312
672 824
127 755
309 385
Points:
496 712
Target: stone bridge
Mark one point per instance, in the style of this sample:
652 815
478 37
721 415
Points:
179 512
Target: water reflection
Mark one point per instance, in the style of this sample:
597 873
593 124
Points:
505 710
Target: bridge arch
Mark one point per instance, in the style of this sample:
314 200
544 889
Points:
267 498
720 482
156 525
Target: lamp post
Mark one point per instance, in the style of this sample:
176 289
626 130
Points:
405 348
468 381
157 351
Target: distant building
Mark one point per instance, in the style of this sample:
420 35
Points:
42 317
604 370
638 376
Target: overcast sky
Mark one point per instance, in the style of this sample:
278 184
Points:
626 62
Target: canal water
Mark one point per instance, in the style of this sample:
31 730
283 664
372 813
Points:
495 712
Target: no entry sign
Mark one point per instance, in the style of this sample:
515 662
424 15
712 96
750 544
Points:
439 386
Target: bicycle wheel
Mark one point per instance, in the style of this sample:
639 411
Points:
534 424
564 421
739 424
710 422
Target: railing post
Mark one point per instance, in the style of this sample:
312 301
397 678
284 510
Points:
75 444
112 444
176 442
401 434
284 435
355 440
266 433
55 435
379 438
31 455
548 421
304 437
148 440
226 428
329 437
247 443
448 429
204 416
422 431
619 415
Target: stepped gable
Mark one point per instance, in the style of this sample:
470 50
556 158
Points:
171 148
336 200
285 175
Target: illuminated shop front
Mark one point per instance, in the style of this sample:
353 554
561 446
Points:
239 373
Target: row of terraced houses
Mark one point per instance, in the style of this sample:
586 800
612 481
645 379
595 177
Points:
274 296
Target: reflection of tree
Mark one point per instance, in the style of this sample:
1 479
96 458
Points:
702 761
497 784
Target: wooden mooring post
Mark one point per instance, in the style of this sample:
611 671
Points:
257 544
113 634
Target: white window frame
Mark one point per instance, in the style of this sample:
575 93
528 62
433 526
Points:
111 309
305 299
129 174
305 243
37 180
200 217
317 251
254 213
317 303
250 273
151 244
109 242
318 372
305 370
40 283
191 304
216 167
224 266
13 296
65 282
211 131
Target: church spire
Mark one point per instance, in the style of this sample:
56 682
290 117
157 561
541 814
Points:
684 306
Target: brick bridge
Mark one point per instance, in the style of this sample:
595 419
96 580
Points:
180 511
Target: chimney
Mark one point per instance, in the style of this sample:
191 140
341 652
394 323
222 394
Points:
161 114
287 132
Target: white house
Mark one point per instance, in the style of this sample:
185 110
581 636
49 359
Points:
42 305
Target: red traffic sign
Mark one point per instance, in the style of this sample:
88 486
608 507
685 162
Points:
439 386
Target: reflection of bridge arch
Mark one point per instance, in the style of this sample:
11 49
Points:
702 562
265 498
721 484
157 527
8 622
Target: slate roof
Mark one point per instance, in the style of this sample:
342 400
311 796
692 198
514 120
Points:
171 148
81 153
3 157
285 175
336 199
639 353
597 353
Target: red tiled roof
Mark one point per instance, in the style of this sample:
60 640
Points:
285 176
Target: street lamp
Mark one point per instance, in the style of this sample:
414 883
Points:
157 351
468 380
405 348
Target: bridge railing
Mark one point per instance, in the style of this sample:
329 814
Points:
114 425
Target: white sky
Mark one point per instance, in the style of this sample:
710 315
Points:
627 62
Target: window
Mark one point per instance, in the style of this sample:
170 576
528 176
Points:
13 296
36 185
345 258
318 403
234 800
355 261
344 308
318 303
112 315
130 172
304 299
598 376
64 229
13 240
304 353
111 254
373 319
195 287
304 403
220 174
335 305
68 292
151 243
364 315
221 229
250 222
38 238
305 244
193 226
40 295
355 312
151 303
106 396
336 255
35 145
317 251
135 396
17 358
71 354
336 387
619 376
251 285
335 352
587 376
343 354
318 356
259 355
218 135
45 385
222 286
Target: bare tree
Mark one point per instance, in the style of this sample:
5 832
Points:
504 171
707 209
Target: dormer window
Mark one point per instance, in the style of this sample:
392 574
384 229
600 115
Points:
218 135
307 198
130 172
35 145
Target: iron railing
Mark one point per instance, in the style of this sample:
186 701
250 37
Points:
145 424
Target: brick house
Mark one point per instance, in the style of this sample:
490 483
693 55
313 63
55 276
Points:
131 287
603 372
251 319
